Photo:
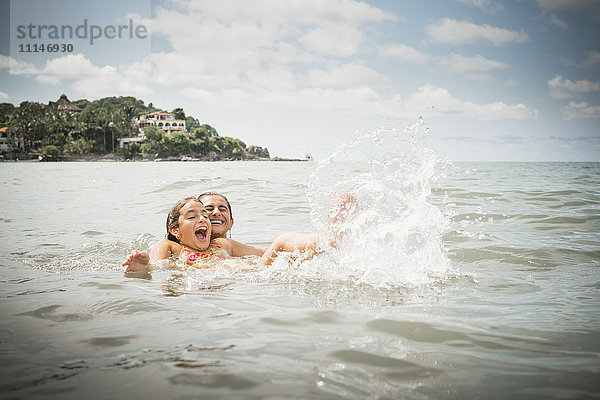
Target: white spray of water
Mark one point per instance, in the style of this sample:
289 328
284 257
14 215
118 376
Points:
393 237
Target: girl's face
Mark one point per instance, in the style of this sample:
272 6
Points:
219 214
194 228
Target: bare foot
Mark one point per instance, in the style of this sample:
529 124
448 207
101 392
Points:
137 261
303 245
345 205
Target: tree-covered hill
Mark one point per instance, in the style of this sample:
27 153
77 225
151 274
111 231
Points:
93 128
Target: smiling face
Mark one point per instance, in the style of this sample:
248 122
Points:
219 214
193 226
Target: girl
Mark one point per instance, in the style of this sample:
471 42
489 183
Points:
188 240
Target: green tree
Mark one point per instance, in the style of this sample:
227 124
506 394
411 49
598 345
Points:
28 123
179 114
191 123
154 143
83 103
178 144
61 128
6 112
228 147
50 150
210 131
131 150
93 126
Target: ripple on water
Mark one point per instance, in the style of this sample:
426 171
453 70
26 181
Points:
188 357
49 313
109 341
214 381
374 360
65 371
92 233
126 307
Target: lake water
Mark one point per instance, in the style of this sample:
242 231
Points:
473 280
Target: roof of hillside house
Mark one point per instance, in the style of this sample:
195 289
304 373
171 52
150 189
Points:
63 103
157 113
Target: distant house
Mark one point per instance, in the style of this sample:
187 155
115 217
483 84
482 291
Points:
63 104
5 144
124 140
162 120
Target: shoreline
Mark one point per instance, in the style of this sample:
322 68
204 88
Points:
116 158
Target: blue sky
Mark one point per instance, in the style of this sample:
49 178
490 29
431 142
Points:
493 80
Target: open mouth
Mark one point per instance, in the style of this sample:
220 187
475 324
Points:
216 222
201 233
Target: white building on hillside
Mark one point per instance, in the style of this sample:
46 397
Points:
162 120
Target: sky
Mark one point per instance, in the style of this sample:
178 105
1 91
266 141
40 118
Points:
493 80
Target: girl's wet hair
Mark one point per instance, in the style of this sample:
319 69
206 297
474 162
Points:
173 217
217 194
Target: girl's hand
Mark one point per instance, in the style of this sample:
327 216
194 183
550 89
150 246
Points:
137 261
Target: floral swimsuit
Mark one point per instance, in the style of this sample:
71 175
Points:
203 259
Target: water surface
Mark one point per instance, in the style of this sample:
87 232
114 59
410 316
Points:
482 281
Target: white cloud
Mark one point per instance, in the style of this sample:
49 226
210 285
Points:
346 75
274 78
235 26
592 60
488 6
402 52
70 66
333 40
132 81
4 62
94 81
451 31
231 43
433 100
194 93
275 11
462 64
580 110
429 100
559 22
4 96
16 67
561 4
172 69
561 88
225 98
361 100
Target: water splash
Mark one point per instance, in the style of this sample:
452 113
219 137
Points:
394 235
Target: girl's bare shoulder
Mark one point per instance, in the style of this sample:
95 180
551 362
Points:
173 247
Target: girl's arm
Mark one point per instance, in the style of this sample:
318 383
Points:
163 250
142 261
237 249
